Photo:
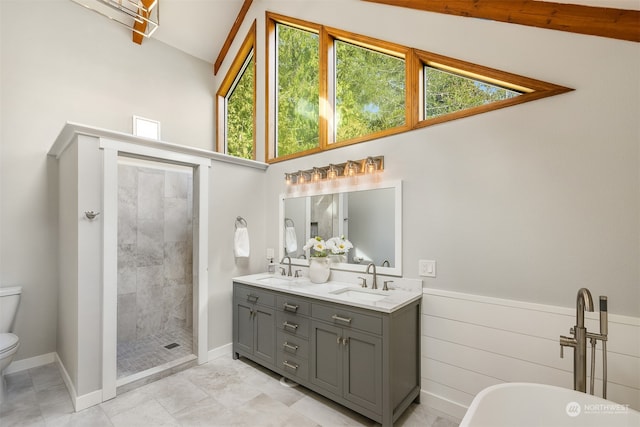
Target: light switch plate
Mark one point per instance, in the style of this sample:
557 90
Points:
427 268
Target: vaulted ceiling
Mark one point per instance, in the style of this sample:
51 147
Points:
201 27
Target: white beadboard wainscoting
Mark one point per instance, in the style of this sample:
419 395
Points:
470 342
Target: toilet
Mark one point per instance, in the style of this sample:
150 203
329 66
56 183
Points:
9 343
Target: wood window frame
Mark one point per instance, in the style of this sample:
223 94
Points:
272 19
248 45
333 34
415 61
531 89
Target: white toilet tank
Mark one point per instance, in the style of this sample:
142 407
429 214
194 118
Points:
9 299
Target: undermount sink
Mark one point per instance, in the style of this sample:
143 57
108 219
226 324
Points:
277 281
360 295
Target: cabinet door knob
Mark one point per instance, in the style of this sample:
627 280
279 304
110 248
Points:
345 341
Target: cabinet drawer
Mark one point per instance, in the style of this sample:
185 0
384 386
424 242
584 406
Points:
347 318
293 324
295 367
293 305
292 345
254 295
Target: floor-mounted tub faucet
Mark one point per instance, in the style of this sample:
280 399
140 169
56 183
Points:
584 302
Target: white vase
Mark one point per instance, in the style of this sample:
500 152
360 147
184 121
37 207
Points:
337 259
319 269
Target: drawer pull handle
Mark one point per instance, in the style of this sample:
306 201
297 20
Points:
288 346
252 298
290 307
290 325
341 319
290 365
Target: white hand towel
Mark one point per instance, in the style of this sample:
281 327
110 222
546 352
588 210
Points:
290 239
241 243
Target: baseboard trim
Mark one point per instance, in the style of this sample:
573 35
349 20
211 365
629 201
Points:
31 362
67 381
79 402
443 407
223 350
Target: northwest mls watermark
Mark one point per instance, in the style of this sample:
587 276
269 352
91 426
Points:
574 409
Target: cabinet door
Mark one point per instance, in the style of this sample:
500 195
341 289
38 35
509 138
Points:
265 334
244 327
363 370
326 357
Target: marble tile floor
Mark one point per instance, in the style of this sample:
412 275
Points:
149 352
222 392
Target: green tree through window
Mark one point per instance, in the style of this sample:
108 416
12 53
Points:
370 91
240 113
447 92
328 88
298 90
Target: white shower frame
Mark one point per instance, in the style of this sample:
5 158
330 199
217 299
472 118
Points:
112 149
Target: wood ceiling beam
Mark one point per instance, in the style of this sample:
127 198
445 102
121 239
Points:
141 26
232 35
619 24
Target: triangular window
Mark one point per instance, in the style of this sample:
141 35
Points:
452 89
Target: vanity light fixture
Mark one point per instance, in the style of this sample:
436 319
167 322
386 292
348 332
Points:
370 165
302 177
140 16
317 175
332 173
349 169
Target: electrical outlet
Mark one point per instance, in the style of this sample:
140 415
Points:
427 268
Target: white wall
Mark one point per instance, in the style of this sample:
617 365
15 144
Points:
524 205
61 62
528 203
471 342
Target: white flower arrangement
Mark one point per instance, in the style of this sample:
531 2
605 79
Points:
317 246
339 245
334 246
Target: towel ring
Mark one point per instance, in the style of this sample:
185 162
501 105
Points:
240 221
289 221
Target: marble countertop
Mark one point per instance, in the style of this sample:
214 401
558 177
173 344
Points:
334 291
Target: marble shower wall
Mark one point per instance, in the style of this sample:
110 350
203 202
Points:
154 251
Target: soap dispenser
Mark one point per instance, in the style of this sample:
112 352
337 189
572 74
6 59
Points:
271 266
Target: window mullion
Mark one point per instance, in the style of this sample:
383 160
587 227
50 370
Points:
327 89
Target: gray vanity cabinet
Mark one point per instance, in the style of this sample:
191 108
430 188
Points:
347 363
254 323
364 359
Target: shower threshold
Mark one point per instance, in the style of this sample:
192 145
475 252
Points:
153 374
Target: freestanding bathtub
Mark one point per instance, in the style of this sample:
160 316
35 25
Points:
528 404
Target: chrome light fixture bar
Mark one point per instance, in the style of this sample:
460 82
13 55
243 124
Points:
127 13
350 168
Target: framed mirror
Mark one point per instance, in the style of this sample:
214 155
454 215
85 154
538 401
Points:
370 217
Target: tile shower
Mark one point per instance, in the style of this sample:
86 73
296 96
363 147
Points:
155 292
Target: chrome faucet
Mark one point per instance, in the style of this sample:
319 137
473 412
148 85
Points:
584 301
374 285
289 270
